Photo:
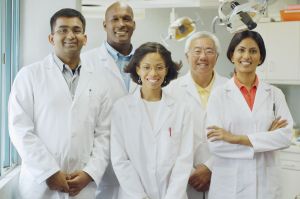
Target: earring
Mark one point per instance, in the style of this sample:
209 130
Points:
139 80
165 81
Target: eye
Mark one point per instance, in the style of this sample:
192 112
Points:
146 68
127 18
240 50
209 51
253 51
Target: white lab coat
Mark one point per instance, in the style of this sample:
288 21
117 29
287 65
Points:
99 57
184 89
151 163
241 171
52 132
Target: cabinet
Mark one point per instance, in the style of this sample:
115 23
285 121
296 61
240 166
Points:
290 172
282 64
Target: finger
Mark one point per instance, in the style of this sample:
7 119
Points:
213 127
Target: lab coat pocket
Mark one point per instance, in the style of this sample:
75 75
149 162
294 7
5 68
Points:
169 146
273 182
223 179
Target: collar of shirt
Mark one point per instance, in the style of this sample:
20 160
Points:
241 86
116 55
64 67
249 96
206 90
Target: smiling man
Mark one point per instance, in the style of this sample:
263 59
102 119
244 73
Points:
59 118
202 50
112 56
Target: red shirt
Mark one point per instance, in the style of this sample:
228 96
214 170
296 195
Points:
248 95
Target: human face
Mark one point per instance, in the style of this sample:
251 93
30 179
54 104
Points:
202 57
68 37
152 71
246 56
119 24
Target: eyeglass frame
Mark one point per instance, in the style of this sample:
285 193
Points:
197 51
74 31
148 69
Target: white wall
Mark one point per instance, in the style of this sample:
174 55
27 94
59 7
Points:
35 27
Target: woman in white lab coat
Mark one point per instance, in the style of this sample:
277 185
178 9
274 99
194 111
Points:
151 133
248 121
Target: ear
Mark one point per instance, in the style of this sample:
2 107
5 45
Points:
133 25
104 25
137 69
85 39
51 39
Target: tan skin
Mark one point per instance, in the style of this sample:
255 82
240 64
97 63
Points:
246 58
152 71
67 48
119 26
202 71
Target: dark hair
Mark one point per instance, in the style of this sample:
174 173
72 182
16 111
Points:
238 37
153 47
66 12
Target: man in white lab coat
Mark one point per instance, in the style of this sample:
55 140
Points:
201 50
59 118
113 55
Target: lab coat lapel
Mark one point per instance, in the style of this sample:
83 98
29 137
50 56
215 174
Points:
50 64
164 113
138 108
235 94
262 93
189 84
86 72
111 65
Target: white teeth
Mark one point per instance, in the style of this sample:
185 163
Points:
245 63
152 80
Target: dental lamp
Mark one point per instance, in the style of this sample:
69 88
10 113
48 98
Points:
180 28
240 17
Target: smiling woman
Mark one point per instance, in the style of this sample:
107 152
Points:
9 43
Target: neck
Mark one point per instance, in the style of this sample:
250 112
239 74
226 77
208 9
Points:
151 95
246 79
124 49
203 80
71 60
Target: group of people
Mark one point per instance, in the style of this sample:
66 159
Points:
116 123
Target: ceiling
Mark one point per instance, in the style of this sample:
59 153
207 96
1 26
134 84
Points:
96 8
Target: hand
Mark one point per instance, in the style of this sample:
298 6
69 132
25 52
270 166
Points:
277 124
216 133
77 181
58 182
200 178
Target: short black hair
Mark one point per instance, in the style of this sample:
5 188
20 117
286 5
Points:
66 12
153 47
238 37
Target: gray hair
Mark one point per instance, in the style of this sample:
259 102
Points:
202 34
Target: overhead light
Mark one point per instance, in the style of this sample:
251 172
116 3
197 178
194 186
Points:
238 17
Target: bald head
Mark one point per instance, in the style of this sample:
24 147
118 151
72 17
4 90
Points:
119 26
120 6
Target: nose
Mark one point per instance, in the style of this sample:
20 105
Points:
246 54
153 71
70 34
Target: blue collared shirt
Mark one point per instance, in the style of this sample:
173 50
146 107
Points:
71 77
121 61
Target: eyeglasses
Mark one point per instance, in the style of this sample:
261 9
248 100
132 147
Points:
198 51
156 68
66 30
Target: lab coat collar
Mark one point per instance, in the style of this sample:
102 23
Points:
263 91
112 67
49 62
164 111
